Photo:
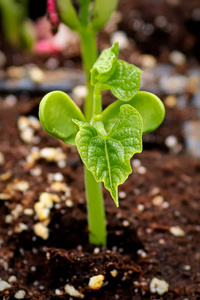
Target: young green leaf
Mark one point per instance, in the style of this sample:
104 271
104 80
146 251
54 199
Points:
101 16
104 66
68 14
124 81
56 112
147 104
107 157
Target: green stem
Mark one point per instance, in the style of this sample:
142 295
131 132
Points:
94 195
95 209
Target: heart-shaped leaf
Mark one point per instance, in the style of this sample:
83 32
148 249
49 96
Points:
147 104
108 157
104 66
56 112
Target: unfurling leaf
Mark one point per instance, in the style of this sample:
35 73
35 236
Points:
149 106
56 112
107 157
104 66
124 81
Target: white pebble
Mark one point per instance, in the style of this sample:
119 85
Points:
148 61
21 227
41 230
20 294
187 267
140 207
141 253
136 163
58 292
36 171
171 141
159 286
70 290
12 278
158 200
10 100
80 91
177 58
121 38
4 285
114 273
62 164
176 231
125 223
69 203
21 186
96 282
27 135
122 195
34 122
58 177
141 170
5 196
96 250
36 74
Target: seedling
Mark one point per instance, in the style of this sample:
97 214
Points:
107 142
17 27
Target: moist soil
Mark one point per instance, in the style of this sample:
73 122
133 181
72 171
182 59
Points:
155 232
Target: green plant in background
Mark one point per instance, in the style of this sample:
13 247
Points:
17 28
110 138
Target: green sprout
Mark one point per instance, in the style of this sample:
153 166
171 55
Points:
16 25
111 137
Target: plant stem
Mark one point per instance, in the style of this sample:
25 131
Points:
94 195
95 209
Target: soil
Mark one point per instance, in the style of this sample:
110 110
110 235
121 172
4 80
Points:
155 233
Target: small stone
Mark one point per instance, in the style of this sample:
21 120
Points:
58 177
165 204
34 122
43 214
41 230
35 171
12 278
148 61
59 187
141 253
21 186
136 163
80 91
187 268
125 223
114 273
27 135
121 38
171 141
158 200
155 190
10 100
170 101
177 58
4 285
52 154
62 164
176 231
6 176
96 282
161 241
70 290
140 207
36 74
45 201
20 294
21 227
159 286
69 203
122 195
16 72
5 196
8 219
96 250
58 292
141 170
22 123
2 158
